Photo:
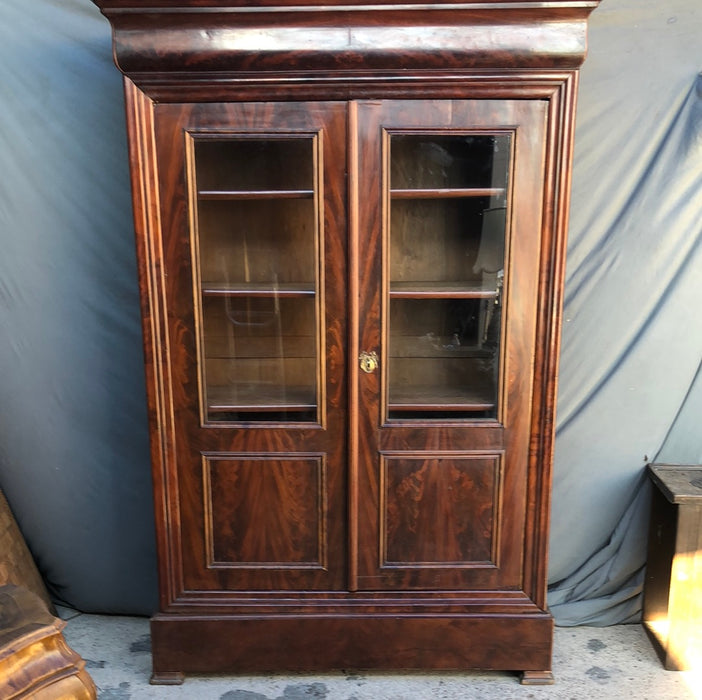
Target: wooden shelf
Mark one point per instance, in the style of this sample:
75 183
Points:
230 195
436 398
440 290
257 289
259 398
435 347
447 193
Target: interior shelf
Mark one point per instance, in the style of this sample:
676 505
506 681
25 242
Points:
437 398
446 192
259 397
254 194
440 290
256 289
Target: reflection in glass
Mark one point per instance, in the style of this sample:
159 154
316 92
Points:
448 218
257 251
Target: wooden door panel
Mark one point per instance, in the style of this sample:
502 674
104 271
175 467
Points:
265 510
439 510
441 488
261 415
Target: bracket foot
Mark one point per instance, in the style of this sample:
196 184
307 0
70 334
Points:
167 678
537 678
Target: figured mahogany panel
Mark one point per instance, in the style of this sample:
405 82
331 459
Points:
302 643
239 37
265 511
440 511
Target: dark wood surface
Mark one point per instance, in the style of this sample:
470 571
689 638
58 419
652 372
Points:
350 538
679 483
205 644
196 37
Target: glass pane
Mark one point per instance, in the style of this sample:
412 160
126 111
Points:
448 218
449 242
254 164
259 357
260 241
257 252
443 356
426 161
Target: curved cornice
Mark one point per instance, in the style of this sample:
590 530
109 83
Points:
216 37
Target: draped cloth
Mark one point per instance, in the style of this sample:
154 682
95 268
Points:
74 455
629 390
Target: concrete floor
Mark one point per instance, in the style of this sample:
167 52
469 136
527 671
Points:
589 662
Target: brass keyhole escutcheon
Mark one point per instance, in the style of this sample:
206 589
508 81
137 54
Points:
368 361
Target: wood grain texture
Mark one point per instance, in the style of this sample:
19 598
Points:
147 222
323 85
308 643
265 511
558 154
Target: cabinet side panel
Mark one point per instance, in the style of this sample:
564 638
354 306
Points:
143 166
367 37
439 511
557 178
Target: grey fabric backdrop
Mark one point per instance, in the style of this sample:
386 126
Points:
73 442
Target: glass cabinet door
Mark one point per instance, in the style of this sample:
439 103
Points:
454 237
257 250
252 241
448 214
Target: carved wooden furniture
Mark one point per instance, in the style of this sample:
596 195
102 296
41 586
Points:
672 609
351 229
16 563
35 661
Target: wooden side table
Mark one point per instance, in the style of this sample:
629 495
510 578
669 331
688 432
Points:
35 661
672 611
